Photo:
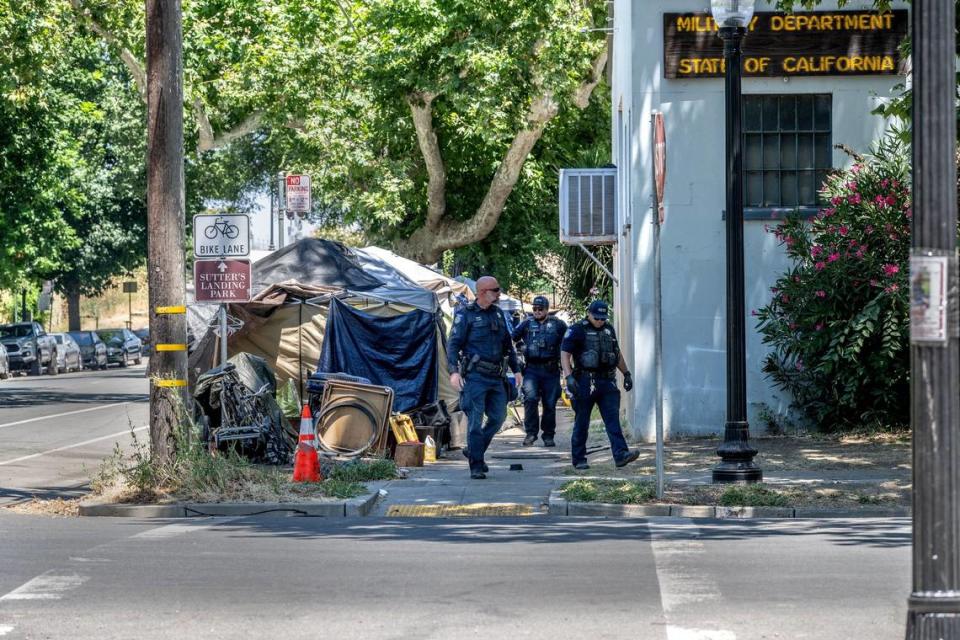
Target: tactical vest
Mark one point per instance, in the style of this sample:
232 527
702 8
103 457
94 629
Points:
600 349
542 341
483 345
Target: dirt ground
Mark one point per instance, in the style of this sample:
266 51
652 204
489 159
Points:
830 471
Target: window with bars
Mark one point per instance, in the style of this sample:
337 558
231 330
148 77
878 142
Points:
787 149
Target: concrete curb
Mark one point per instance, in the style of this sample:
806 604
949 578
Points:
558 506
354 507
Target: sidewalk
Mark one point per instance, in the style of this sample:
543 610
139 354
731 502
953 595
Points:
846 478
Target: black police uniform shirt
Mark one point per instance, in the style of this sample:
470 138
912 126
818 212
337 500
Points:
481 332
548 339
574 340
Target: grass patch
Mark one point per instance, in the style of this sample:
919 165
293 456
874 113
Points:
330 488
194 475
753 495
608 491
365 471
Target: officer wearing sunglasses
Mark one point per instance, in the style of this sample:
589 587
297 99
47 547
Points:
541 336
477 352
590 356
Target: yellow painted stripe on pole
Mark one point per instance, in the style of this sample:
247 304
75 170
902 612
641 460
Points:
178 309
171 347
170 383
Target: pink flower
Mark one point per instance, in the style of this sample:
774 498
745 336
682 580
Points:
820 265
890 269
874 282
854 199
880 201
799 365
790 241
856 168
890 200
853 243
909 213
833 257
819 326
754 312
784 298
884 183
821 293
844 230
896 184
796 278
816 251
793 325
852 186
892 288
835 200
869 229
774 290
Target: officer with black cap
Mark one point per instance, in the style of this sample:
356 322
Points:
541 336
477 352
591 345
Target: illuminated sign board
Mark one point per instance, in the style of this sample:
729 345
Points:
816 43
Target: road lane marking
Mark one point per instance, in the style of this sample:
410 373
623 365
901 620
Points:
46 586
6 628
678 555
60 415
72 446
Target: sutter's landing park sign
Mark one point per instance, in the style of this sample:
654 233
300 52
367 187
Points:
818 43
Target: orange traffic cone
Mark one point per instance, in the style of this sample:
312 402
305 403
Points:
306 464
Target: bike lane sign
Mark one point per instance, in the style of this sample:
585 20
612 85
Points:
221 235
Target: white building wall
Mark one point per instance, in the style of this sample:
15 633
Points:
693 266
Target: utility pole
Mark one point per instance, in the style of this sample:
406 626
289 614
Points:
165 222
933 609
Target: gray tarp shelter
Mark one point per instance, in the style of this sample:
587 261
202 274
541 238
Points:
286 320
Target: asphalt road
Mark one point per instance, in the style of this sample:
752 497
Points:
539 577
54 430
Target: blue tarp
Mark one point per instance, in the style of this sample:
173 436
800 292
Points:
398 352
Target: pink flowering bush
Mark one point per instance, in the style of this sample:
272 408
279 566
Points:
837 322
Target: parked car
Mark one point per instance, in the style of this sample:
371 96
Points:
93 351
68 353
144 335
4 363
122 346
29 348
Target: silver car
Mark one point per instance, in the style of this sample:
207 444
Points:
68 353
4 364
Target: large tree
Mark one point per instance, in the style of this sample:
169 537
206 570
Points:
416 118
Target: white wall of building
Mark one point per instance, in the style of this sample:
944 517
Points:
693 266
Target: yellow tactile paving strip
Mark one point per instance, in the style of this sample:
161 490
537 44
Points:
454 510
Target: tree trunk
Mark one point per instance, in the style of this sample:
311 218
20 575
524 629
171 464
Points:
165 213
73 310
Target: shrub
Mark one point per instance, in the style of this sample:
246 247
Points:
838 320
753 495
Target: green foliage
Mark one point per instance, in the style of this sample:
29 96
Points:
753 495
838 320
343 489
365 471
609 491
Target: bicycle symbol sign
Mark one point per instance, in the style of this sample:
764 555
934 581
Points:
221 235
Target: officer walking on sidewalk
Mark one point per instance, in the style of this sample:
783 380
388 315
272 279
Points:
591 345
478 346
541 336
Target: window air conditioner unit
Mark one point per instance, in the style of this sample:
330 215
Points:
588 206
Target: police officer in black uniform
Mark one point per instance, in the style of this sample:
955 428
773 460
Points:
477 351
591 345
541 336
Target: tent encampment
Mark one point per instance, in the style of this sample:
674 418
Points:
287 321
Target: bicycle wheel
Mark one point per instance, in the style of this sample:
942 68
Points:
231 231
210 232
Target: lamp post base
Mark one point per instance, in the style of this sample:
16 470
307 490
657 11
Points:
736 457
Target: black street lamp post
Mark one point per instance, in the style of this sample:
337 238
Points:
736 454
